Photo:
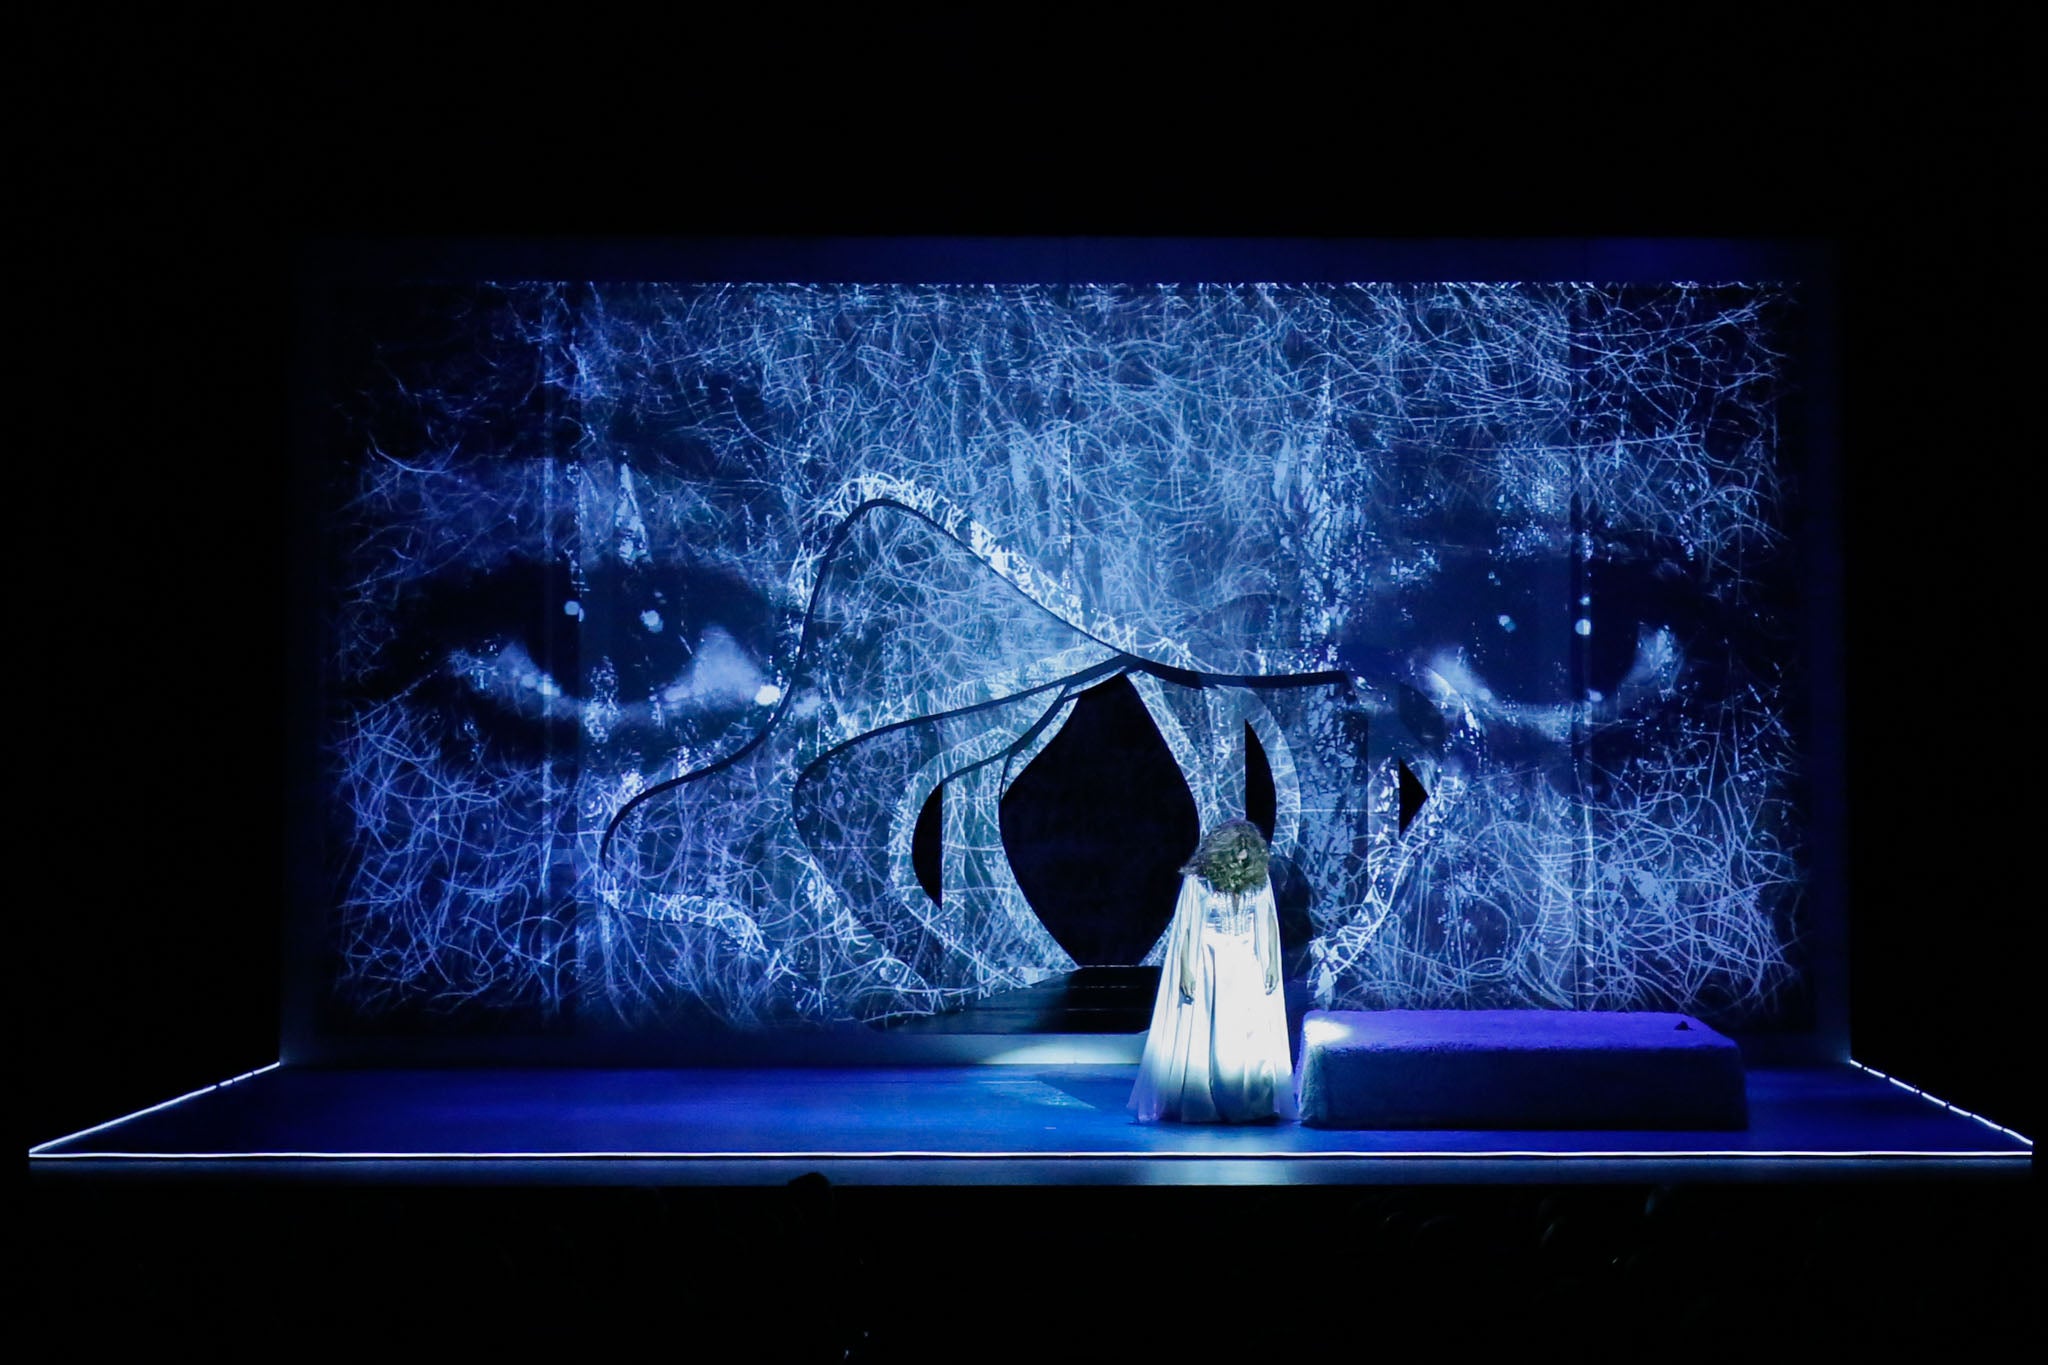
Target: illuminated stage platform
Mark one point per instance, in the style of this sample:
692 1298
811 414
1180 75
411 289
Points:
981 1125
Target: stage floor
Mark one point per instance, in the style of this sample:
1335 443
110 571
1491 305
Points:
987 1125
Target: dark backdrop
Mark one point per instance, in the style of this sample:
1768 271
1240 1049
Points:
153 609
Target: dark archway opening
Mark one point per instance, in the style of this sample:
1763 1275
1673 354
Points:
927 843
1261 799
1095 829
1097 826
1291 894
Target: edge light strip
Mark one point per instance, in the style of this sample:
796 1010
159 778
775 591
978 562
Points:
43 1149
1936 1099
1104 1156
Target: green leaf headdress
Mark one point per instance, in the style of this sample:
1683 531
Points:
1231 858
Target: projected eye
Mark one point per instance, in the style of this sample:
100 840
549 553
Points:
509 674
1649 617
720 673
1506 618
533 659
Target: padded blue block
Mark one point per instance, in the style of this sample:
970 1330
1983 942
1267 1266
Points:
1517 1069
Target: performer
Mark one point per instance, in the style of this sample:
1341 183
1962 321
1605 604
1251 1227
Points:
1217 1052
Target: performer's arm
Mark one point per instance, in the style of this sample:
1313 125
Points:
1266 936
1187 915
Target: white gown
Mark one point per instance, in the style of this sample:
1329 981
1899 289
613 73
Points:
1220 1057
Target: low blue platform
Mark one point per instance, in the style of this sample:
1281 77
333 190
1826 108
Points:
1518 1069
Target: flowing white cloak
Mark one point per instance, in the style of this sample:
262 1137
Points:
1220 1054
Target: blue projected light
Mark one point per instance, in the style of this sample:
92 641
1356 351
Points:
823 550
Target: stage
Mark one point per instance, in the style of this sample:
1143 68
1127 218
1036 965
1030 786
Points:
977 1125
